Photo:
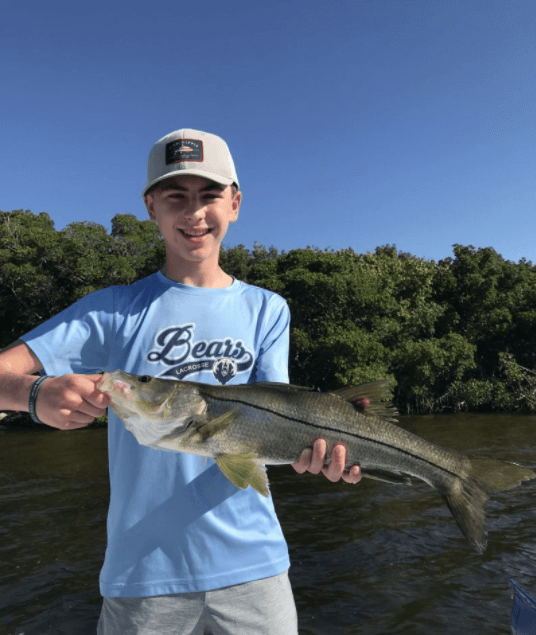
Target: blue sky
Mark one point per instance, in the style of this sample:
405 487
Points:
353 123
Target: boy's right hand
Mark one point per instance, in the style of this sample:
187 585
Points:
71 401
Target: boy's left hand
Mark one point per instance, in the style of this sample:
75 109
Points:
312 460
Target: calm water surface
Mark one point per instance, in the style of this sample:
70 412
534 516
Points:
368 559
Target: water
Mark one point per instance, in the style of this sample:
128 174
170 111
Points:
367 559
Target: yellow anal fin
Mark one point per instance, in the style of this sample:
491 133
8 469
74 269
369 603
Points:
212 427
243 470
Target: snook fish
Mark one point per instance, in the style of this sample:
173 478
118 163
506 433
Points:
246 426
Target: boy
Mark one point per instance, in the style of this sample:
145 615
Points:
188 553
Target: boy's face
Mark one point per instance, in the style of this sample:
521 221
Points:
193 214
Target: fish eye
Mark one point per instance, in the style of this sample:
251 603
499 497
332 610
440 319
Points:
144 379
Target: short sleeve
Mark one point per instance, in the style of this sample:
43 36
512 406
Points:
272 360
77 340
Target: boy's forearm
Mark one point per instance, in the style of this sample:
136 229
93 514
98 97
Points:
15 390
17 367
66 402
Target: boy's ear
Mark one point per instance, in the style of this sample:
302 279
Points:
148 199
237 200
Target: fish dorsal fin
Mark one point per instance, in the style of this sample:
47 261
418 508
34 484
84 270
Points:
372 399
243 470
373 390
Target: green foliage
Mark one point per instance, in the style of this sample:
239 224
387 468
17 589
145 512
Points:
429 367
454 335
30 266
42 271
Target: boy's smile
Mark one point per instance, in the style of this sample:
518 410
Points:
193 214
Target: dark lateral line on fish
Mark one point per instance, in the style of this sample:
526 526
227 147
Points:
319 427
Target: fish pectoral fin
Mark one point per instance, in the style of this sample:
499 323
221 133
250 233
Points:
388 477
243 470
207 429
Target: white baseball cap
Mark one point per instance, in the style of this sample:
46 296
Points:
194 152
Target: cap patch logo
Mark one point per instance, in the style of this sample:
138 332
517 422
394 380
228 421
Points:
184 150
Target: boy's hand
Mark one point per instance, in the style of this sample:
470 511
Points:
312 460
71 401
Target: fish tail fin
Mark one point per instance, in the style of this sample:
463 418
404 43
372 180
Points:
466 497
498 476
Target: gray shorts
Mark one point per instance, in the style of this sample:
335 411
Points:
262 607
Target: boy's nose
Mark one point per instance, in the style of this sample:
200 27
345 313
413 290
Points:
195 209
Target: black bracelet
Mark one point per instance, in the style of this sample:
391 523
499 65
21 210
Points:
32 399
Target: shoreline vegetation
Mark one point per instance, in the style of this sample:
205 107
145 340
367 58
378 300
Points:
454 335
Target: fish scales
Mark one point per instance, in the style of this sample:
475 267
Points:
244 427
370 441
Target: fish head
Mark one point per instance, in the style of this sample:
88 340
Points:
151 407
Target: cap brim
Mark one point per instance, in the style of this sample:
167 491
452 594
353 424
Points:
212 176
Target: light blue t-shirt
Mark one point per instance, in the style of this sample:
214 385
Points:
175 522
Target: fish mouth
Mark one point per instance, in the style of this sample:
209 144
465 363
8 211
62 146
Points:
110 383
106 383
120 387
123 388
